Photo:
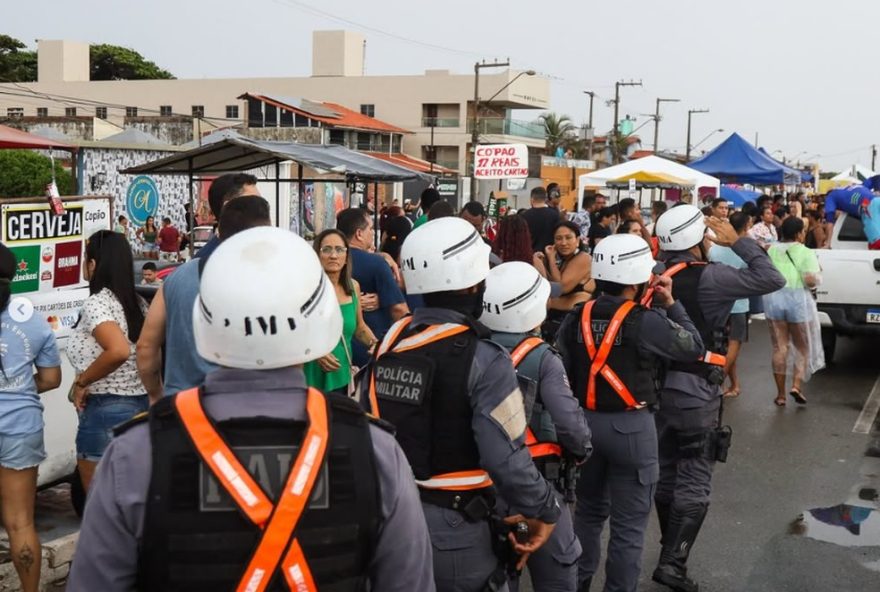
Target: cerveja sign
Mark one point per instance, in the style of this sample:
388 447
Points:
501 161
142 200
39 224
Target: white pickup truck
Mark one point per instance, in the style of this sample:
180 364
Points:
849 296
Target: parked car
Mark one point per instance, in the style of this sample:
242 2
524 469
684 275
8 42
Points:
849 296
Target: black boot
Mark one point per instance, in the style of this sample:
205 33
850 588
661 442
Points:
683 525
663 518
585 585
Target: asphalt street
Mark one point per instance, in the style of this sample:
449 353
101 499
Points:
759 535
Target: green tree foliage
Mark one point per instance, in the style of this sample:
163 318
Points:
112 62
26 174
17 64
559 131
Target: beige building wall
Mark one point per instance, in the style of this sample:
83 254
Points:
398 100
62 61
337 53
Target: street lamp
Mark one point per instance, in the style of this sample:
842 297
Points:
657 120
687 155
712 133
589 130
475 119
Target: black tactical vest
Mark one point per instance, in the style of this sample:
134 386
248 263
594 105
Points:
195 538
638 371
686 289
424 393
528 374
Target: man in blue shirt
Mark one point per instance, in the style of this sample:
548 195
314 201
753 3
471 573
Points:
169 324
222 189
381 298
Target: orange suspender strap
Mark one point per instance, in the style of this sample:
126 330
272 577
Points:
286 514
536 449
539 449
648 298
524 348
390 337
600 357
290 508
248 495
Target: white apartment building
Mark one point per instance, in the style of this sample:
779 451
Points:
437 101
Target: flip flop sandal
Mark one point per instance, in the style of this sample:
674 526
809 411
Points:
779 402
731 394
797 396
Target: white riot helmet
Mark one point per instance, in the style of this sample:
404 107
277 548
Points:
680 228
515 300
623 259
443 254
264 302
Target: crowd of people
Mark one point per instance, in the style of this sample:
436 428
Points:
149 242
446 389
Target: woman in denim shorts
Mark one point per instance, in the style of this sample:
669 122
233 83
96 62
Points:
791 312
108 390
26 342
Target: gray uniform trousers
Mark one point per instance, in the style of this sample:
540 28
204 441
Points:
685 477
617 481
553 567
463 556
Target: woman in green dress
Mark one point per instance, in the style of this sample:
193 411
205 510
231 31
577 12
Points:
333 372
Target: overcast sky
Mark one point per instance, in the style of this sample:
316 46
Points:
797 72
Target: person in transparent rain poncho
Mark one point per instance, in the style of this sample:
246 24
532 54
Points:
791 312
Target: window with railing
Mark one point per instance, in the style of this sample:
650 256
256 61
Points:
14 111
509 127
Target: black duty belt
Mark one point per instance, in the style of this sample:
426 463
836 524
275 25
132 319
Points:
475 505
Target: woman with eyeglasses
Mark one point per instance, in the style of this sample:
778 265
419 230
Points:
334 371
107 390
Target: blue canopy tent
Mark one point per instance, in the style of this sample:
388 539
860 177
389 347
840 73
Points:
737 161
806 176
738 197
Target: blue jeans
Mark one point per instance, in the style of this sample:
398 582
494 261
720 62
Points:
97 420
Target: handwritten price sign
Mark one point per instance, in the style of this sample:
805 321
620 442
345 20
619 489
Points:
501 161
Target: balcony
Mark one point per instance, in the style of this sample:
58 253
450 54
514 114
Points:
441 122
509 127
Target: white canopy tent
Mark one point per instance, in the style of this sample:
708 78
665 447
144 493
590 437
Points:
855 173
651 164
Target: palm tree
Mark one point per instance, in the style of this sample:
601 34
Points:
559 130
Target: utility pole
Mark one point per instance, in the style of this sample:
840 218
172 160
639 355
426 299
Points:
657 120
873 157
615 132
475 119
687 155
590 125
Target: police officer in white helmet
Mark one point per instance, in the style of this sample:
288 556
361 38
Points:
454 400
614 350
688 423
254 481
557 436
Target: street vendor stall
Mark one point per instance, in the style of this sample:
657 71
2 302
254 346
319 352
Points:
313 163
